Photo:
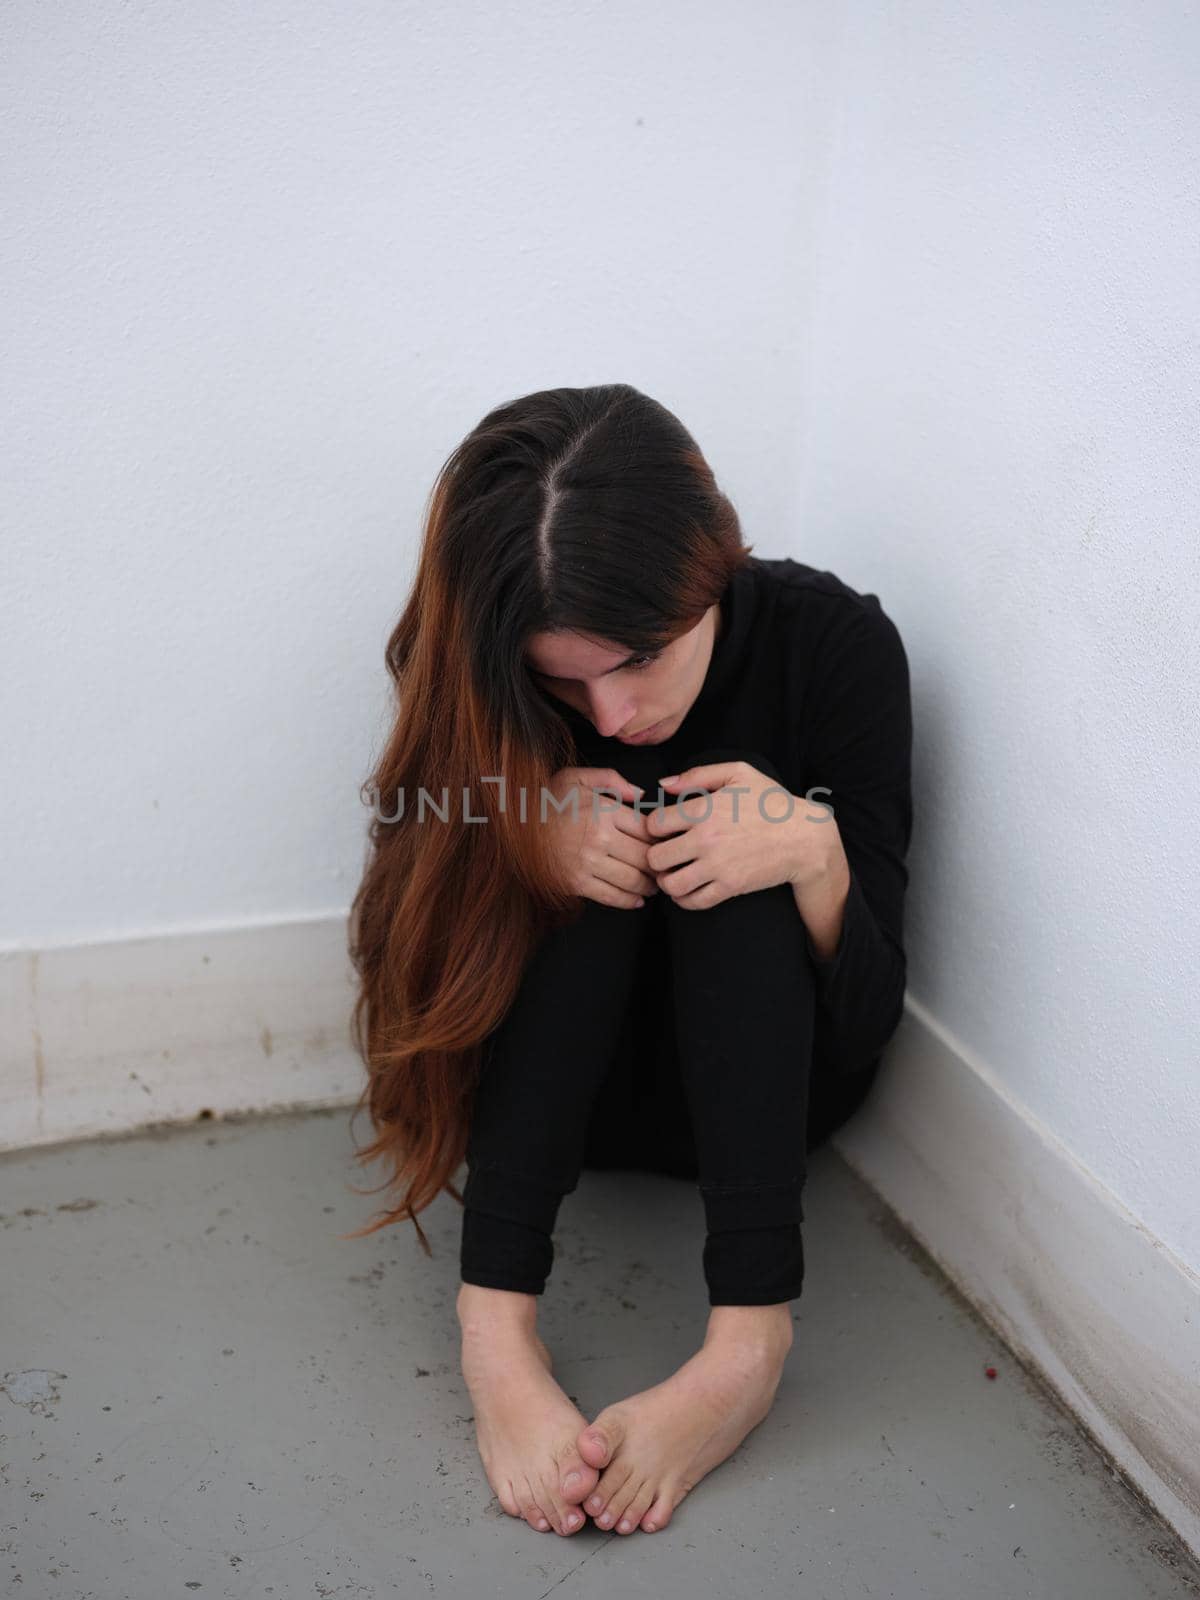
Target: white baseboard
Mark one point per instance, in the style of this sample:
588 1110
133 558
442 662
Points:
106 1038
1072 1281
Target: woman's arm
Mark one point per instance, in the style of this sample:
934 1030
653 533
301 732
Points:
858 759
823 904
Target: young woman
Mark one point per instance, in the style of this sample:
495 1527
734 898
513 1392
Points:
662 930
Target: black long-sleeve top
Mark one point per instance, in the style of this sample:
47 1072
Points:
813 675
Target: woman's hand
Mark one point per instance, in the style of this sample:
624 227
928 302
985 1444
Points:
745 832
603 844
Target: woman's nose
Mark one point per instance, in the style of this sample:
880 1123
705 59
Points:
610 712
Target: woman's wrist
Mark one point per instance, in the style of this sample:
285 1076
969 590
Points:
820 889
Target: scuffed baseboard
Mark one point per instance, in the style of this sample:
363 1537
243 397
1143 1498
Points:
107 1038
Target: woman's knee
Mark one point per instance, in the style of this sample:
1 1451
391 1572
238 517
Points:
777 900
591 941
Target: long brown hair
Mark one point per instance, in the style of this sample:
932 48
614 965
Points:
589 510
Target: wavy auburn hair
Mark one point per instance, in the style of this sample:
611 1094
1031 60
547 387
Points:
588 510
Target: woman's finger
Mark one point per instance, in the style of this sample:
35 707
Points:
608 895
623 866
632 823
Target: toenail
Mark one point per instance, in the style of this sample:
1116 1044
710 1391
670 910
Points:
543 1525
571 1481
595 1503
569 1522
625 1526
606 1521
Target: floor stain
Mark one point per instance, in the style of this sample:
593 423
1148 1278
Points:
34 1388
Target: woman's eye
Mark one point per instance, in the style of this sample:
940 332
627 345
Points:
638 664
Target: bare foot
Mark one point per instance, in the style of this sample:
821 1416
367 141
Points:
526 1426
657 1445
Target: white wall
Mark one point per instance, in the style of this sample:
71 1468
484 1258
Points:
923 282
265 267
1002 436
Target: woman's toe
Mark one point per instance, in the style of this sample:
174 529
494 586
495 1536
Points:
534 1515
637 1508
614 1490
596 1445
620 1502
659 1513
577 1479
572 1519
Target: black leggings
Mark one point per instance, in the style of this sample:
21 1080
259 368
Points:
678 1041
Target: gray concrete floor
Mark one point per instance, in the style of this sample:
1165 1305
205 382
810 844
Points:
206 1392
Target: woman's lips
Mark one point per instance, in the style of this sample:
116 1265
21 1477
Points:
639 738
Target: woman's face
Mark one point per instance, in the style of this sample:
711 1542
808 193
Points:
626 695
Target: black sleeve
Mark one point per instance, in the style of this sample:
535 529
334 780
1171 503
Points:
858 738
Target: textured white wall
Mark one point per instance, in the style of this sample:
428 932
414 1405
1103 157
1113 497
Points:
1002 432
265 266
923 282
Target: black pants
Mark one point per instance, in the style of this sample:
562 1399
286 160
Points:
664 1039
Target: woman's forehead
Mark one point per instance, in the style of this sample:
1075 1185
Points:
570 655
